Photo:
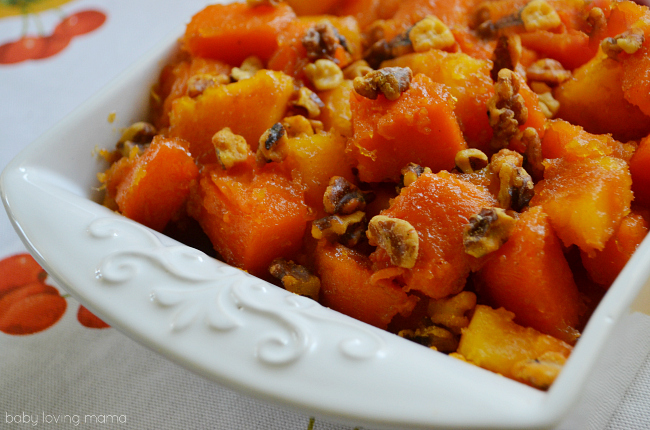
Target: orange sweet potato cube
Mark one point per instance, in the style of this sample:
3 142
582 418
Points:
494 342
346 287
249 107
467 79
158 184
419 127
605 265
235 31
585 199
640 170
251 215
438 206
530 276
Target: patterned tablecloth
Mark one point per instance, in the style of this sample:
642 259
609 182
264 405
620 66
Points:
61 367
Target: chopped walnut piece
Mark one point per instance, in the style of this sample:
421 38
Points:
357 69
382 50
628 42
436 338
452 312
343 197
390 81
487 231
138 135
255 3
471 160
540 372
539 15
530 138
271 144
411 172
506 55
322 41
346 229
430 33
597 21
308 100
324 74
295 278
547 103
506 109
488 29
297 125
197 84
516 187
247 70
397 237
231 148
549 71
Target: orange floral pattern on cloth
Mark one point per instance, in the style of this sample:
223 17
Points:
37 47
27 304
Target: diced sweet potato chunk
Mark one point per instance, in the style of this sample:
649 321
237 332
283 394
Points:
605 265
585 199
235 31
467 79
346 287
158 184
572 142
438 206
493 341
419 127
251 216
640 170
249 107
530 276
605 110
314 159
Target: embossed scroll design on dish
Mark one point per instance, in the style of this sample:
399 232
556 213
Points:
217 294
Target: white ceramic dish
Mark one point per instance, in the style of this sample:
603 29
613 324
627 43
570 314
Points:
242 332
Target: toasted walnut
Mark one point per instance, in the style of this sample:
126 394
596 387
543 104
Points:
539 15
628 42
516 187
470 160
357 69
231 148
597 21
271 144
506 55
530 138
547 103
343 197
487 231
138 135
549 71
308 100
434 337
397 237
247 70
452 312
506 109
324 74
322 40
297 125
347 229
197 84
295 278
390 81
430 33
410 173
540 372
487 28
383 50
255 3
